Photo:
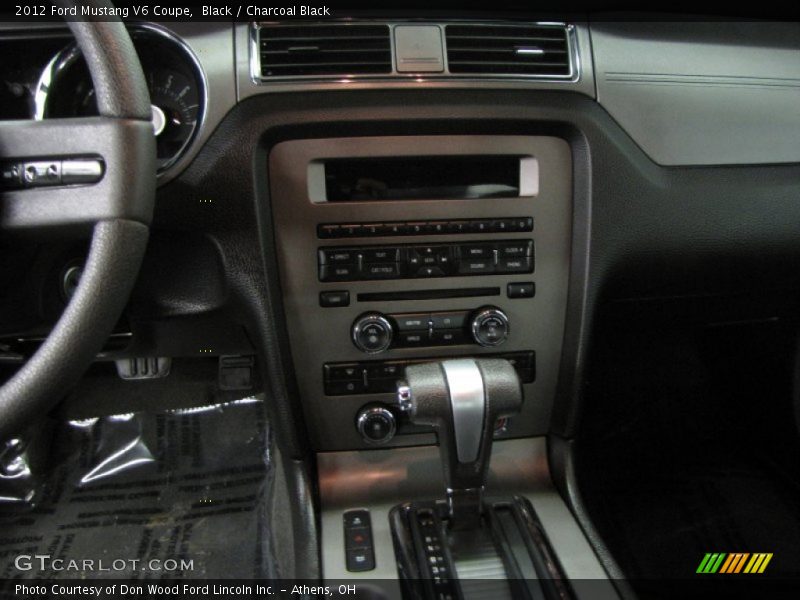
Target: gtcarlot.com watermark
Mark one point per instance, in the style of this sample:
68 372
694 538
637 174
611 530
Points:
45 562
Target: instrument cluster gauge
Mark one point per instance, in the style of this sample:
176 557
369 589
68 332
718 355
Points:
174 79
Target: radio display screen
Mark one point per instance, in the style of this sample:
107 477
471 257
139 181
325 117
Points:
422 178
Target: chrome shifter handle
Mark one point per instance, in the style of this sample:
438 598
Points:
462 399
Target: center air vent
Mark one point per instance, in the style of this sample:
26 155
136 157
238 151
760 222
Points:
324 50
526 50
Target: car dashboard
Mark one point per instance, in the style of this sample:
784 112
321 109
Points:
339 200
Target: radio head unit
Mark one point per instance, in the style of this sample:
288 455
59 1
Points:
395 250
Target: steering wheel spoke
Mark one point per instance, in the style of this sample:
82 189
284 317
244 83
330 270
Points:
116 209
73 173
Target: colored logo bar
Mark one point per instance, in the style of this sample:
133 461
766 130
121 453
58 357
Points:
734 562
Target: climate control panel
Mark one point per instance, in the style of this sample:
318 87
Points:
375 332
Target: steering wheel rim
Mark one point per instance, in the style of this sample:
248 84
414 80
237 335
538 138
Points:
117 210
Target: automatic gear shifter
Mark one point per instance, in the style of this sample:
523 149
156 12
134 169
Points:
470 547
462 399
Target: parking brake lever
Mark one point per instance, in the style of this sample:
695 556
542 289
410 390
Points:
462 399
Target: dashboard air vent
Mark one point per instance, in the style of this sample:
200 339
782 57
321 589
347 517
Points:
525 50
324 49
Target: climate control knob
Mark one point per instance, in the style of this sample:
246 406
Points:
372 333
376 424
489 326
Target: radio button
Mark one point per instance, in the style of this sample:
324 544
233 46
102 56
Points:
429 272
381 255
475 267
353 230
328 231
333 299
372 333
412 322
515 265
395 229
337 272
417 228
515 249
470 251
448 320
521 290
381 271
503 225
447 337
480 226
335 256
412 338
371 229
522 224
458 227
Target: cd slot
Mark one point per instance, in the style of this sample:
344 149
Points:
437 177
475 292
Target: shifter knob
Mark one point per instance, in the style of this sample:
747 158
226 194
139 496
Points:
462 399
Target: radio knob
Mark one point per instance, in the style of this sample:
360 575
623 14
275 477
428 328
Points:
376 424
489 326
372 333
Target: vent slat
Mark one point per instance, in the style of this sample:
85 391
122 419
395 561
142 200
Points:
324 50
508 50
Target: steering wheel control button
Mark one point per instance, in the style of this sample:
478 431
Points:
490 326
334 299
358 545
48 173
521 290
376 424
372 333
81 171
70 281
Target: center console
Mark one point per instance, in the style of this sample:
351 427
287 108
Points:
424 281
399 250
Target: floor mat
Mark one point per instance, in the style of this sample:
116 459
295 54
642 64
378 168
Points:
687 449
178 494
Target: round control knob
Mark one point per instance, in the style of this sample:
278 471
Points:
376 424
372 333
490 326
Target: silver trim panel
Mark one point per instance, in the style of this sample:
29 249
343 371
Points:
378 480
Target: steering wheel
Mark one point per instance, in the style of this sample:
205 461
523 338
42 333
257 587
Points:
90 175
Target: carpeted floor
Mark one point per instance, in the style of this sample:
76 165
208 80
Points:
183 485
